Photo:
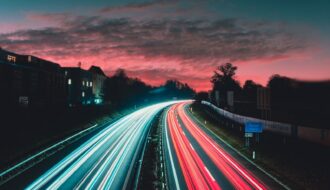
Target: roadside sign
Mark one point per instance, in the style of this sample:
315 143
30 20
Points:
248 134
253 127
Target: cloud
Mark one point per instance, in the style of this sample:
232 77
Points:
137 6
112 42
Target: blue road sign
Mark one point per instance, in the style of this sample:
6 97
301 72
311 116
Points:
252 127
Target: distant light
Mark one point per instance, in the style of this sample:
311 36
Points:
83 94
69 82
83 83
11 58
97 101
91 84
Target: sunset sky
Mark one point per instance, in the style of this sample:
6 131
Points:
173 39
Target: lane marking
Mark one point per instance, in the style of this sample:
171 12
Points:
192 146
209 173
246 158
171 158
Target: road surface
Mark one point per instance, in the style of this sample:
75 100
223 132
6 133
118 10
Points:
107 160
194 159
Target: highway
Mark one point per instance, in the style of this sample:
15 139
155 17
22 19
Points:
194 159
107 160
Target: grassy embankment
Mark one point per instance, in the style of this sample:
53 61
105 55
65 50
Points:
299 164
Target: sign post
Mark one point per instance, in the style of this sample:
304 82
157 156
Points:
250 128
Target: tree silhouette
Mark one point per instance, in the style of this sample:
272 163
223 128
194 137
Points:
225 71
200 96
176 89
122 90
250 90
223 81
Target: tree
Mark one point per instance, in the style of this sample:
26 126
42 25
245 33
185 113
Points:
174 88
200 96
250 90
121 73
224 80
227 71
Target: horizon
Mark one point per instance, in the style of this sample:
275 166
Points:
157 41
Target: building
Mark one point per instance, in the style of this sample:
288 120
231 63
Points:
29 81
98 79
79 86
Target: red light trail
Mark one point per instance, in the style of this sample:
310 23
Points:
195 173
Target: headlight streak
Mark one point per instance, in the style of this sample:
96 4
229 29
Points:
61 165
116 162
90 172
137 139
97 162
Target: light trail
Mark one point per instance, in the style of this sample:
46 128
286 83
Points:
195 173
104 160
194 170
236 173
173 169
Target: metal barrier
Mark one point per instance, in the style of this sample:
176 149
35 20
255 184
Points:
37 158
319 136
277 127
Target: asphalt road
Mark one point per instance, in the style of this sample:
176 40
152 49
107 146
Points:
108 159
196 159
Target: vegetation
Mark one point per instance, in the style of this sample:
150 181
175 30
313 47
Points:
293 101
297 163
37 129
122 91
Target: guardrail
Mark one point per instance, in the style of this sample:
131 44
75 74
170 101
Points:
320 136
24 165
37 158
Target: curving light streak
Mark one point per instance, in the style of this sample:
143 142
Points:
234 172
173 169
196 174
103 161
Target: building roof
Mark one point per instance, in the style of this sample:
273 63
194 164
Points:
97 70
28 60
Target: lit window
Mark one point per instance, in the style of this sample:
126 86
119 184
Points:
91 84
83 94
11 58
69 82
83 83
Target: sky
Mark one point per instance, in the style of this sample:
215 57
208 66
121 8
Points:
175 39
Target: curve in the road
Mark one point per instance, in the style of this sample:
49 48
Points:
104 161
184 134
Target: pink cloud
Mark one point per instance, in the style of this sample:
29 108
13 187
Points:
157 50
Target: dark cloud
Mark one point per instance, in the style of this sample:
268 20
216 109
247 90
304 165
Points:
137 6
196 46
198 42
